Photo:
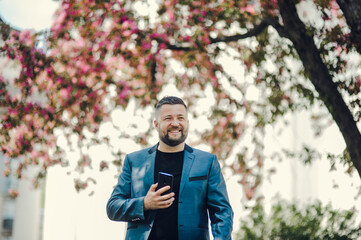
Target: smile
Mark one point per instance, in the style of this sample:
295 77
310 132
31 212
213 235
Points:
175 131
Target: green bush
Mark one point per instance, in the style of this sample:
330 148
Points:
288 221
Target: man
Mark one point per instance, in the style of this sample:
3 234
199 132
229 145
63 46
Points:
199 191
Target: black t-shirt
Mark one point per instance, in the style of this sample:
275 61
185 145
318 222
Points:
166 221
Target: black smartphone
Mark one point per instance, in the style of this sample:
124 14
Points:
165 179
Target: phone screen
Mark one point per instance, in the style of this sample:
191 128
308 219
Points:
165 179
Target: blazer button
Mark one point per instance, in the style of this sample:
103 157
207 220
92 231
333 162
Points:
150 225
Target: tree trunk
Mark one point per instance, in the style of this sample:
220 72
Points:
351 10
321 79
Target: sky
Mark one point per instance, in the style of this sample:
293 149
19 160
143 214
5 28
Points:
28 14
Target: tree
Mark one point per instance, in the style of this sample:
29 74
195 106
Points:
100 54
291 221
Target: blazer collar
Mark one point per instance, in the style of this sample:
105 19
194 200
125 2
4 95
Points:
154 148
187 165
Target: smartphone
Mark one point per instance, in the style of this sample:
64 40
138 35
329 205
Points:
165 179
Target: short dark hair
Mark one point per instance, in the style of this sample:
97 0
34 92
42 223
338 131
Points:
172 100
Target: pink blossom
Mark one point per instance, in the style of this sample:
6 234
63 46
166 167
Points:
249 8
59 20
223 123
103 166
140 92
196 3
44 113
171 15
186 38
63 93
239 129
127 24
25 37
13 193
206 39
27 108
6 172
196 11
358 82
127 33
150 57
12 112
249 192
159 35
81 43
168 3
147 45
92 94
124 45
162 46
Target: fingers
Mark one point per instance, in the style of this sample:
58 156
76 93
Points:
166 203
153 187
163 189
166 200
166 196
155 200
158 202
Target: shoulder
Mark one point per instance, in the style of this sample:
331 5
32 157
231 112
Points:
140 153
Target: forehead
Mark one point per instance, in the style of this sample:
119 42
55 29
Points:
172 109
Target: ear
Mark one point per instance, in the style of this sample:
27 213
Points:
156 124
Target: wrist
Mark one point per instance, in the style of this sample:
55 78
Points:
145 205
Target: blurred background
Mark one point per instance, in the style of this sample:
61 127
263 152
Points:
69 201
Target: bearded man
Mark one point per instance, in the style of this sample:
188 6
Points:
195 198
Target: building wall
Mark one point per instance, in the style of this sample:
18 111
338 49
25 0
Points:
79 215
27 220
20 216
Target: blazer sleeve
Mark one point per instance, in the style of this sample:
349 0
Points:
121 206
219 208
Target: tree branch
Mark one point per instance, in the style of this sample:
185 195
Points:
322 80
351 10
253 32
5 30
153 70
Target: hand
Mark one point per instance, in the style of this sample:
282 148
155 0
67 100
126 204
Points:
154 199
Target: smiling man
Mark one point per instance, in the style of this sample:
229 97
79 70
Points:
172 125
198 191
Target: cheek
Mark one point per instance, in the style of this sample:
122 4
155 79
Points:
185 126
161 128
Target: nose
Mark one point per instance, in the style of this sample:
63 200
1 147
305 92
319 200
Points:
175 123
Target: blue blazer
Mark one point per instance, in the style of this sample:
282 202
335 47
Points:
202 196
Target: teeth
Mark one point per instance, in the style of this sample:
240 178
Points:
174 131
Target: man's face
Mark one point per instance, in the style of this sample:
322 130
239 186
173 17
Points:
172 124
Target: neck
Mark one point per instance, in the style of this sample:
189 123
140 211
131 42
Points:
166 148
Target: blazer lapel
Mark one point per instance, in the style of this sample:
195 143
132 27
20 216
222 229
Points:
149 168
187 165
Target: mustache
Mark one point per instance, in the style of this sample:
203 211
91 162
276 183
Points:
172 129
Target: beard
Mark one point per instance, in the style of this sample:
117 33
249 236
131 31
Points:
173 141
